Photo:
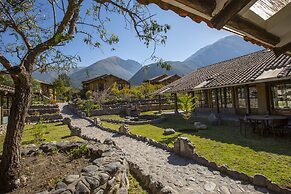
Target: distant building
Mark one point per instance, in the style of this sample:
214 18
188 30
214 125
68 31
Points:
164 79
46 90
104 82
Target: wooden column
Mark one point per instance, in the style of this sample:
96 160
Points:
248 108
269 98
216 99
1 111
176 103
160 104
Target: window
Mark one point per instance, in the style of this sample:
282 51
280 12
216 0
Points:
228 95
253 97
202 98
241 96
281 96
120 86
100 87
221 97
213 98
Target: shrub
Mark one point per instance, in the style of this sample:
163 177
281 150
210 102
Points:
79 151
187 104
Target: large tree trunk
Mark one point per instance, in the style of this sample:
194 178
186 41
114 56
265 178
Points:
10 163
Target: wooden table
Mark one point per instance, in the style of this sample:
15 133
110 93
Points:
266 120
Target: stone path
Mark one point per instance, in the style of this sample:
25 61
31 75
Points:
182 175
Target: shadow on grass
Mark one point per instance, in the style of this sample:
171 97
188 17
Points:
228 133
27 142
65 137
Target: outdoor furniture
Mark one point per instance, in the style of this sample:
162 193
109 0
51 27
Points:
269 123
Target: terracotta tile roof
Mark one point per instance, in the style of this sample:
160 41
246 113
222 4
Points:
240 70
101 77
168 77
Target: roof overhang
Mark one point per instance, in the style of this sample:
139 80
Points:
268 26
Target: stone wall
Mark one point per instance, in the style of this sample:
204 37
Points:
45 113
185 148
107 173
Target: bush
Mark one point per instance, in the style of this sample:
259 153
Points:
79 151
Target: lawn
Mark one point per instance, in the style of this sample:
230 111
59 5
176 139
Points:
155 112
51 132
115 117
225 145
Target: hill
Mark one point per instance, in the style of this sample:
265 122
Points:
223 49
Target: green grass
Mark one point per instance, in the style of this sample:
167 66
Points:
134 186
115 117
155 112
225 145
52 132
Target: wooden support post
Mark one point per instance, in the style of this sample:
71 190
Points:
233 97
248 104
269 98
216 99
160 104
176 103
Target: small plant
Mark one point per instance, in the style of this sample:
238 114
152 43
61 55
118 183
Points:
79 151
187 104
39 132
89 95
88 106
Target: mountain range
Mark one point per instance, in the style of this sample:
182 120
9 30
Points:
223 49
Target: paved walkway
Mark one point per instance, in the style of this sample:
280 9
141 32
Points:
183 175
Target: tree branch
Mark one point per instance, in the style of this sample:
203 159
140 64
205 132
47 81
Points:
5 62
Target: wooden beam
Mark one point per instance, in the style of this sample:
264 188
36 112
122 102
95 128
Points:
231 9
250 29
283 49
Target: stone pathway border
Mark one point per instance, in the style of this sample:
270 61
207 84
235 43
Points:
193 168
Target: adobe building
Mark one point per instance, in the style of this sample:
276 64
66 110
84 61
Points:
46 90
104 83
257 83
6 94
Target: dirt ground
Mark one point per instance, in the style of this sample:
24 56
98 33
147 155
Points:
44 171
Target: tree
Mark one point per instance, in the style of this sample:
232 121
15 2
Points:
31 36
62 85
187 104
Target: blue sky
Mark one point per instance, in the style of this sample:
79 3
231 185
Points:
184 39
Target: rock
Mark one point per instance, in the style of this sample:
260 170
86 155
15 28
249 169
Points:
71 178
124 129
43 192
112 167
97 121
184 147
260 180
48 147
224 190
93 182
200 126
212 118
209 186
167 190
91 169
58 191
61 185
109 141
103 178
66 121
81 188
169 131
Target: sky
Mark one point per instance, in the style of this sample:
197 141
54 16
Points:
184 38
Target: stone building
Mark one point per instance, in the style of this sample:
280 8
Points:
104 83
